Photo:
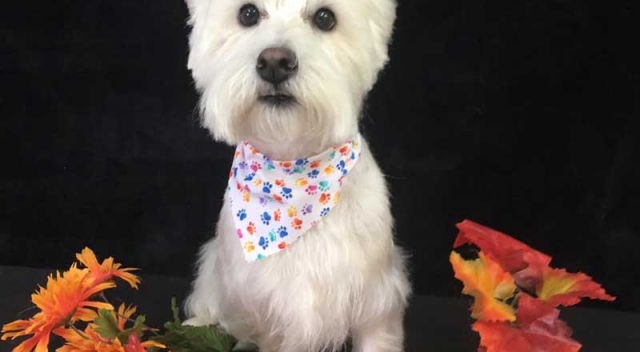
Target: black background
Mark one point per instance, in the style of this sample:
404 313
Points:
520 115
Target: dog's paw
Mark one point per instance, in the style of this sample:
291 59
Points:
198 321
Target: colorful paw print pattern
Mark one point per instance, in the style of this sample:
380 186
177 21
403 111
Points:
274 202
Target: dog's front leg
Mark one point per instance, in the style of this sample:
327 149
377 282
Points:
384 334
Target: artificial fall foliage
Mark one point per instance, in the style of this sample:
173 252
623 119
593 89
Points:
73 306
516 293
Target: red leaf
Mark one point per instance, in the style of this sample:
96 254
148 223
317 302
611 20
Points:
501 337
558 287
523 262
538 330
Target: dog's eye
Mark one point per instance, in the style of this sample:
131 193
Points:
324 19
249 15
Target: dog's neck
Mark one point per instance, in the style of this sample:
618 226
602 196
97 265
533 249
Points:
292 149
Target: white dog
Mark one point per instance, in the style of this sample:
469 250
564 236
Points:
285 80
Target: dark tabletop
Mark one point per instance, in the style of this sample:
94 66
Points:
432 324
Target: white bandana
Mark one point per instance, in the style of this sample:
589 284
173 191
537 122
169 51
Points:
275 202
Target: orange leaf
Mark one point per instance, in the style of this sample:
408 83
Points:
558 287
488 284
538 329
525 263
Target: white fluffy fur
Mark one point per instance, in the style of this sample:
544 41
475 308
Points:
344 277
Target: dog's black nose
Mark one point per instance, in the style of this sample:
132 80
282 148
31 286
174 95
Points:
276 65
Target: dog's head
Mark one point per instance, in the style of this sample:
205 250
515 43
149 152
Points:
281 70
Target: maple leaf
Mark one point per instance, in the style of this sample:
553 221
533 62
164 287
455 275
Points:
488 283
559 287
523 262
538 329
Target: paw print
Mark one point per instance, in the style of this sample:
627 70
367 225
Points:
324 212
344 150
336 198
332 155
250 176
280 182
315 164
282 232
268 164
234 172
296 224
264 201
307 209
251 229
313 174
311 190
329 170
282 245
277 215
242 214
263 242
292 211
286 193
272 236
301 182
341 165
257 182
255 166
266 218
324 186
277 198
302 162
266 188
242 165
325 198
298 170
260 256
246 196
249 247
239 232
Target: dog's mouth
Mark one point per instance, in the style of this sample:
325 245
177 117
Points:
277 99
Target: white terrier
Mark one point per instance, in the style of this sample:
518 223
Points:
303 256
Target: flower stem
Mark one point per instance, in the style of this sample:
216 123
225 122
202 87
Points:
79 332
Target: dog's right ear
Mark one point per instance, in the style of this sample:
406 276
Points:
190 5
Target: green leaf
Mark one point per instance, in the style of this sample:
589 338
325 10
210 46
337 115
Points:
175 310
138 328
106 324
182 338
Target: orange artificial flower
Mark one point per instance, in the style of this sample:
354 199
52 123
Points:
64 300
108 269
558 287
93 342
485 280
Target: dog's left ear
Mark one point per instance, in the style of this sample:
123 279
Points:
381 24
189 4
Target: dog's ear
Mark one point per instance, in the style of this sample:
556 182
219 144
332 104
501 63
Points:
381 24
191 5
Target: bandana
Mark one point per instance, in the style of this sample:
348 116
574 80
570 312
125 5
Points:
275 202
